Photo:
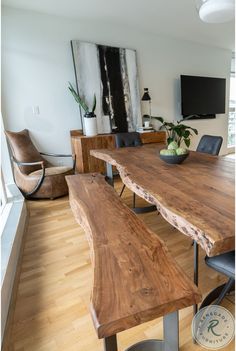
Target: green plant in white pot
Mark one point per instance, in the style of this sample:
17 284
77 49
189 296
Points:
90 120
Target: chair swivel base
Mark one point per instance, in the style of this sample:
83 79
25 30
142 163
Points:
139 210
146 209
218 294
147 345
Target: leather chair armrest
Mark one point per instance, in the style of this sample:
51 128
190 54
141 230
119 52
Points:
41 178
60 155
54 155
41 163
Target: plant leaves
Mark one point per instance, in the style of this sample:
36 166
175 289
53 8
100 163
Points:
169 140
195 130
186 134
169 124
188 127
187 142
78 98
94 103
177 131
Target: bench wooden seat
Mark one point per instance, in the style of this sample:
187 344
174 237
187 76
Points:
135 277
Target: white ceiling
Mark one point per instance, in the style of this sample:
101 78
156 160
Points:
176 18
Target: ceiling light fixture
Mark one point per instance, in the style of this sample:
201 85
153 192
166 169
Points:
216 11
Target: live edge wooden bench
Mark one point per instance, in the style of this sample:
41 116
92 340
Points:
135 277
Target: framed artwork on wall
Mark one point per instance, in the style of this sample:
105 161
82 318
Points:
111 74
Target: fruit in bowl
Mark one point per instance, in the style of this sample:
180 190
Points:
173 146
167 152
181 151
174 154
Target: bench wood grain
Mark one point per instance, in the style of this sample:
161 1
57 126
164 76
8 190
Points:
196 197
135 278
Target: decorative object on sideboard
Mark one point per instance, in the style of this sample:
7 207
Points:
147 98
90 120
216 11
113 75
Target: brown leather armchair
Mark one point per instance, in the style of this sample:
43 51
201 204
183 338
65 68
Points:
34 175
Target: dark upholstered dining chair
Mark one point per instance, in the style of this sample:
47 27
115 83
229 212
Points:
35 176
130 139
210 144
225 264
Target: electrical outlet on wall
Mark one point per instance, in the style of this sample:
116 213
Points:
35 110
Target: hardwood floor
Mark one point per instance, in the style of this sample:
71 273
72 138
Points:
52 304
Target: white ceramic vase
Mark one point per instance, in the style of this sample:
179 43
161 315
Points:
90 124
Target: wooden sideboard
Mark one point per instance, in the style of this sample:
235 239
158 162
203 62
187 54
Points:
81 146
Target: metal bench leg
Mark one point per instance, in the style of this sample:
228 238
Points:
171 337
110 343
171 332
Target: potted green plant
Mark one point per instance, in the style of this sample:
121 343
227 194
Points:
90 120
177 134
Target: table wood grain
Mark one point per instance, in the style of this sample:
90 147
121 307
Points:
196 197
135 277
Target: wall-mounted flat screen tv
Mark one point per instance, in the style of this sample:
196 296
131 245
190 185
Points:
202 97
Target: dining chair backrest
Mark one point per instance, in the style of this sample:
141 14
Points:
130 139
210 144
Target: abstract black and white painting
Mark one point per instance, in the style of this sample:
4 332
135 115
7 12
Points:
111 74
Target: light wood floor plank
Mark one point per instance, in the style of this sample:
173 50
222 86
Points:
51 312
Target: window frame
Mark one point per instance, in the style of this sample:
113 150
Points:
232 104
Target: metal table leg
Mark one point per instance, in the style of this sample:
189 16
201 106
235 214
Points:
110 343
110 180
196 258
109 174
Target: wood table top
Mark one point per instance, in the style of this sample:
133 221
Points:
135 277
196 197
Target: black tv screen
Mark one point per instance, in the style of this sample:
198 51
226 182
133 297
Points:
202 97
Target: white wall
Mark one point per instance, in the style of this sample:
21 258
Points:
37 64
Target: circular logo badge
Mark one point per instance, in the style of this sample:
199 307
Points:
213 327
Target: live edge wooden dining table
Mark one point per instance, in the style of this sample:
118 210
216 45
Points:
196 197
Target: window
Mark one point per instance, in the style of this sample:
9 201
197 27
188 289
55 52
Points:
6 181
232 104
3 193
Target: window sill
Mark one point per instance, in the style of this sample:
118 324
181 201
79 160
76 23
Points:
12 214
14 218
